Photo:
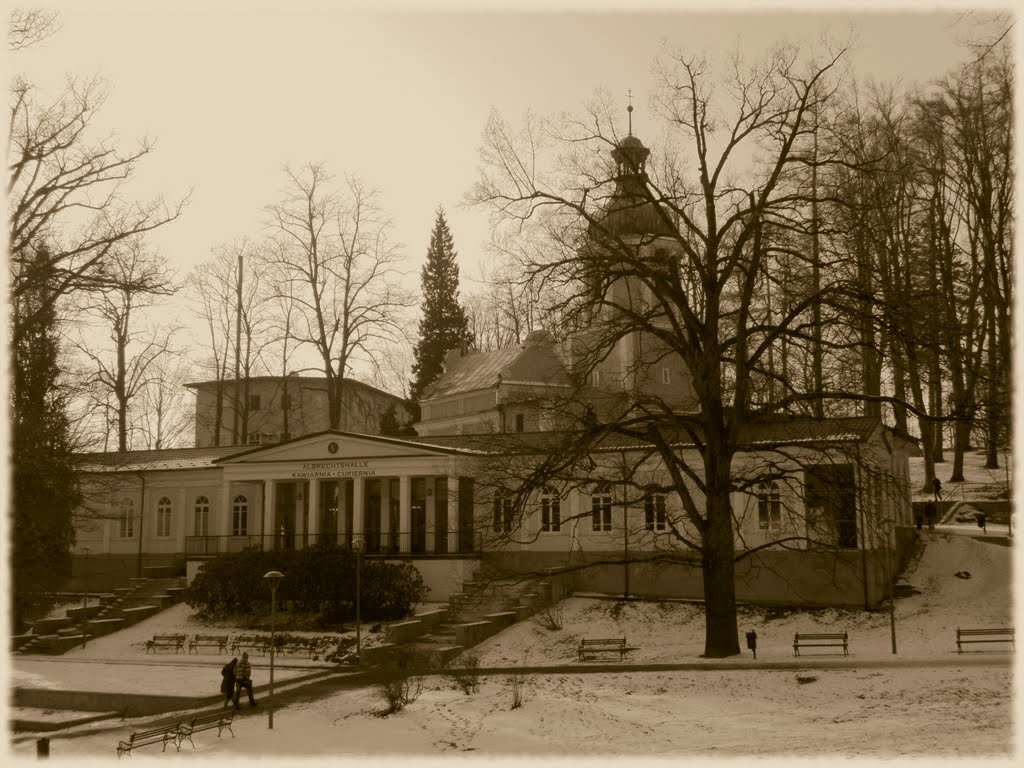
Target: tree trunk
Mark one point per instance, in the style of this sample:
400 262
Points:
718 561
993 408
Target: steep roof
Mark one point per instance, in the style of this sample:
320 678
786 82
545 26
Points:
525 363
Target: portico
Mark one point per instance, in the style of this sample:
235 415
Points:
333 488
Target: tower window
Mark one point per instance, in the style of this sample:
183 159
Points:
666 376
254 402
520 422
595 378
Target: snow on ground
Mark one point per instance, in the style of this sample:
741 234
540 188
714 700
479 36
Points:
947 711
979 483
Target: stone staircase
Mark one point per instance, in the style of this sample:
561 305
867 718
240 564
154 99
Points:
485 607
107 612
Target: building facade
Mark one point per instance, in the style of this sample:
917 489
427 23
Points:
821 507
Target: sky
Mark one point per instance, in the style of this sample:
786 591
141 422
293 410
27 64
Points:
232 92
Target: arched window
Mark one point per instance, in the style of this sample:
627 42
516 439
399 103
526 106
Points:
127 518
201 518
769 506
550 510
601 508
240 516
163 517
503 508
655 517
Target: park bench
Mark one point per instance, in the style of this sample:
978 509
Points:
218 720
165 734
820 640
995 635
605 645
177 642
251 643
211 641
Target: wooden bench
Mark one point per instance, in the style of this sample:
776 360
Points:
177 642
605 645
820 640
218 720
165 734
996 635
218 641
251 643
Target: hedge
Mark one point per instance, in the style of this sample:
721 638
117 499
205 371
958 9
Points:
319 579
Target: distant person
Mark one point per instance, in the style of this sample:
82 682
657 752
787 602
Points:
929 514
937 487
227 684
243 679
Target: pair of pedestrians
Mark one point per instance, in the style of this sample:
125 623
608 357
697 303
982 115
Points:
237 675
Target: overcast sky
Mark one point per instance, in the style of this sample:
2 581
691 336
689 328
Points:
231 94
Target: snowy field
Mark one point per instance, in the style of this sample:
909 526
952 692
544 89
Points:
943 711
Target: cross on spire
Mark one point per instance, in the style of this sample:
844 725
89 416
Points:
629 109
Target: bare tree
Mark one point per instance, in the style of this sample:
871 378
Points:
28 26
692 284
165 418
127 366
66 189
341 268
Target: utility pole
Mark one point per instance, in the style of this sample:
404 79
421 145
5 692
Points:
238 352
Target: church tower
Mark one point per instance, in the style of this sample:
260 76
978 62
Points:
632 228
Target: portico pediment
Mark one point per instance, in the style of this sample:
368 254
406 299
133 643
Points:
333 447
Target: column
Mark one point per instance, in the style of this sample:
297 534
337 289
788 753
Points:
429 502
405 513
105 527
358 514
453 514
225 511
314 512
385 514
183 515
269 531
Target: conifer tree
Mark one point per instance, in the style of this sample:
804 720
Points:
44 489
443 326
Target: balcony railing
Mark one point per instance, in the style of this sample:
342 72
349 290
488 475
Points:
377 543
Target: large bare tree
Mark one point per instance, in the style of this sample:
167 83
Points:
741 158
341 269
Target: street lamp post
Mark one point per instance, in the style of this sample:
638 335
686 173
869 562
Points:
275 578
85 597
358 544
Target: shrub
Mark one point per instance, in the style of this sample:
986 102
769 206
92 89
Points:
462 671
319 579
550 617
516 683
397 686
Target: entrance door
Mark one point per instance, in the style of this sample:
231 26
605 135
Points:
831 501
418 509
371 516
284 534
465 503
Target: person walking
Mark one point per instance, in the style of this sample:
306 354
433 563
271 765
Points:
937 487
227 683
243 679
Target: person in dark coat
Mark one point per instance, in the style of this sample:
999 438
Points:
243 679
937 487
227 683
